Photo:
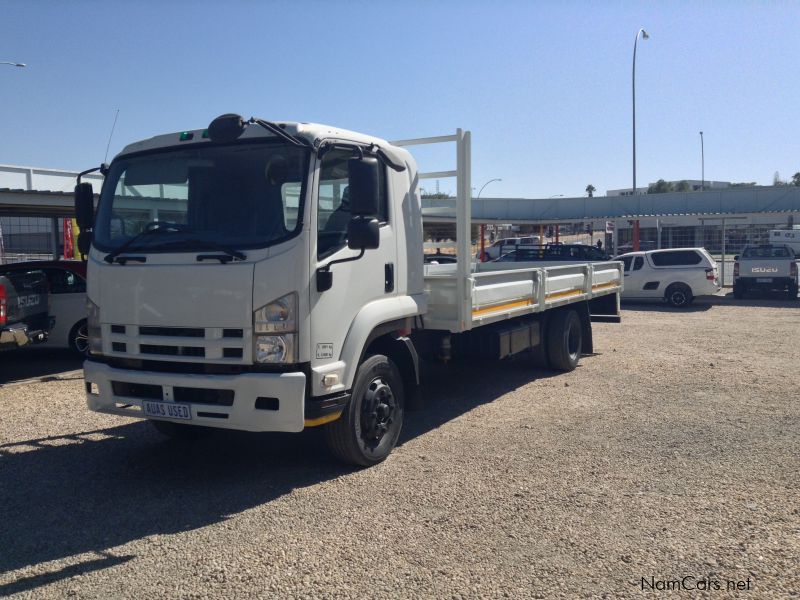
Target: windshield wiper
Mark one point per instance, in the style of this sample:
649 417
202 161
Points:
152 228
280 132
188 244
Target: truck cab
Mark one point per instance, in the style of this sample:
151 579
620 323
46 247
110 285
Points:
213 260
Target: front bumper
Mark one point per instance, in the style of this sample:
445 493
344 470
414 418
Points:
247 402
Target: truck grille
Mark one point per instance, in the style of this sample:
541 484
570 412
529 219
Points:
184 395
190 344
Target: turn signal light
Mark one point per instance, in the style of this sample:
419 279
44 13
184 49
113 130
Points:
736 269
3 305
793 270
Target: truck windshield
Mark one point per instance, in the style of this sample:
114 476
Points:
240 195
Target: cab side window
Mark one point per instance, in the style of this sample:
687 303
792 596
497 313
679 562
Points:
638 263
333 209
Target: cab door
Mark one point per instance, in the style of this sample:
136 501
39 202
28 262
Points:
355 283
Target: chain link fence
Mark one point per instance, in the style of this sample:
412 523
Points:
29 238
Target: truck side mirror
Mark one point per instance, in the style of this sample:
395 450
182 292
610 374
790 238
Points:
84 205
736 257
363 186
363 233
84 242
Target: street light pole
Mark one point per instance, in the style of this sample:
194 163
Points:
482 254
633 87
702 164
2 247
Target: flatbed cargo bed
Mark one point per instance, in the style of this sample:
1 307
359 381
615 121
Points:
497 291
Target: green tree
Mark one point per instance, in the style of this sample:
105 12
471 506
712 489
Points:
796 179
590 190
659 187
682 186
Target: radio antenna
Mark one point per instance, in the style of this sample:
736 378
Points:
110 135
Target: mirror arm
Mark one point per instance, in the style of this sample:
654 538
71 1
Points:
103 168
324 275
341 260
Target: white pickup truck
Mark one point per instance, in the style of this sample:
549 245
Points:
768 267
270 277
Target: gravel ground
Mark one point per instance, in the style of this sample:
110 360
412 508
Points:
671 453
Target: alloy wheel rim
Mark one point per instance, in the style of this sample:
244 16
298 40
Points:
81 339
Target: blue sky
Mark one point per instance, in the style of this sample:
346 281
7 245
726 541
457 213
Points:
545 87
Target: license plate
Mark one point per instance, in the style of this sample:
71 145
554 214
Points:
763 279
167 410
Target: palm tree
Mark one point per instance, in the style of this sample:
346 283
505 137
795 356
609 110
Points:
590 189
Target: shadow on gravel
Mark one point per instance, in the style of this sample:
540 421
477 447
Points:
16 365
95 490
704 303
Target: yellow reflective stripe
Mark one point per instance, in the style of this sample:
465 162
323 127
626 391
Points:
566 294
322 420
604 286
519 304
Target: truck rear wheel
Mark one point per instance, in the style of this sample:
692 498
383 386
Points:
792 291
564 340
370 425
738 291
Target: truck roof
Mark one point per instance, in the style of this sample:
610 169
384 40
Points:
314 133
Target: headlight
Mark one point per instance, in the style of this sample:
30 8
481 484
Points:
275 348
93 328
278 316
274 331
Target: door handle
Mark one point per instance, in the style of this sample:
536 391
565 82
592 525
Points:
388 277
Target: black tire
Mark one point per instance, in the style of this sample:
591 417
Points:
738 291
370 425
678 295
181 431
79 339
564 340
792 293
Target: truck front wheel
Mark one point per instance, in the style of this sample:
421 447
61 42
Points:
564 340
370 425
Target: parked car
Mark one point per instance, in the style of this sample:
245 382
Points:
644 245
555 252
506 245
769 267
676 276
67 283
24 317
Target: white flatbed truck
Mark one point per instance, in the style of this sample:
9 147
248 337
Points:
268 276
